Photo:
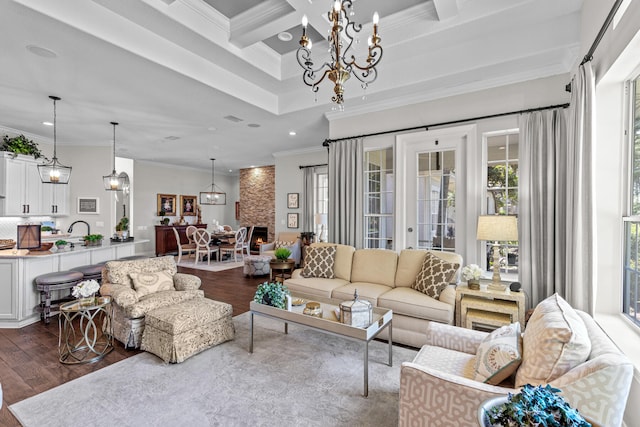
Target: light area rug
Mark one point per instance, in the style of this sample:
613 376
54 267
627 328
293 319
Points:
214 266
305 378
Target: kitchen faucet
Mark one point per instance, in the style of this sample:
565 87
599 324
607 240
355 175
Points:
84 222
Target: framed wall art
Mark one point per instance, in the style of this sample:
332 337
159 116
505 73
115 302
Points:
292 220
88 205
188 205
167 203
292 200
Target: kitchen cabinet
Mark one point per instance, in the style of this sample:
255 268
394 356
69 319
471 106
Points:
24 194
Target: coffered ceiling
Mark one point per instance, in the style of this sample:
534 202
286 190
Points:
194 79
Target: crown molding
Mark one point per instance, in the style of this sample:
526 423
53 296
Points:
296 152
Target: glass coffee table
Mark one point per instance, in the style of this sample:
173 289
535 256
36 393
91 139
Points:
329 323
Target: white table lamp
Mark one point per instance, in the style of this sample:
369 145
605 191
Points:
497 228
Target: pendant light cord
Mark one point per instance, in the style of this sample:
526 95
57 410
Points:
54 129
213 179
114 147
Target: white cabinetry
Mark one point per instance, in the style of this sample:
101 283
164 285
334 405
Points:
23 192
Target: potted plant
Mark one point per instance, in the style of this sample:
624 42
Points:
471 273
46 230
61 244
164 221
93 240
532 406
21 145
282 254
122 228
273 294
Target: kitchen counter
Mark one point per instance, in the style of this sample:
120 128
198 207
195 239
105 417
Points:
19 268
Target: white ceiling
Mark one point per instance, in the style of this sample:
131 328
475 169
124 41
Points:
176 68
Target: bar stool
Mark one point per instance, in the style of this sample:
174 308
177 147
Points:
91 271
56 281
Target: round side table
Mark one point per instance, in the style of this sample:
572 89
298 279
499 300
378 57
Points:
85 331
281 268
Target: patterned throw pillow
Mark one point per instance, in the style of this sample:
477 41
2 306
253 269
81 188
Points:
499 355
149 283
318 262
282 244
435 275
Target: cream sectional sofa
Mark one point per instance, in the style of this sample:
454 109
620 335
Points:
384 278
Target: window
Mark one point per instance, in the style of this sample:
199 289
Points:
502 191
378 199
321 204
631 283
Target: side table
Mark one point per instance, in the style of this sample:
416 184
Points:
504 302
85 331
281 267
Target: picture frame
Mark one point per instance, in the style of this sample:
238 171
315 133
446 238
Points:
293 200
167 202
237 211
87 205
292 220
188 205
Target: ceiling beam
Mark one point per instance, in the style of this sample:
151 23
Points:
446 9
261 22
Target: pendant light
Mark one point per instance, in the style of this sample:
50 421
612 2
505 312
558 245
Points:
213 197
113 181
54 172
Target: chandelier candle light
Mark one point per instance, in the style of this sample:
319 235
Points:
54 172
343 62
497 228
113 182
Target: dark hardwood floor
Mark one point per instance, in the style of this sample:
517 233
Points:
29 356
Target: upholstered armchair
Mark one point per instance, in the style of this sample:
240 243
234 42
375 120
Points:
287 239
438 389
134 294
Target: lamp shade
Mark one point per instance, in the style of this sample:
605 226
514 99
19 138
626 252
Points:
497 228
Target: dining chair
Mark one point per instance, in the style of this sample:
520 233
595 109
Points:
237 246
189 232
187 248
246 245
202 240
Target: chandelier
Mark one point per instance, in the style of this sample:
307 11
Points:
343 63
54 172
213 197
113 181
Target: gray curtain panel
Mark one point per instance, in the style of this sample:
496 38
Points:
308 223
345 192
556 202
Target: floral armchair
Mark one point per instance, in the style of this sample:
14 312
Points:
139 286
289 240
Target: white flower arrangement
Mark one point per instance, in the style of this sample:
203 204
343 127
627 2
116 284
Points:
85 289
471 272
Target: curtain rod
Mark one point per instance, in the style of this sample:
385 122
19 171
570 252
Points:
452 122
312 166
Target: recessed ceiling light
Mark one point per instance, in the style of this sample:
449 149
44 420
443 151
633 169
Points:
292 133
232 118
41 51
230 170
47 123
253 125
285 36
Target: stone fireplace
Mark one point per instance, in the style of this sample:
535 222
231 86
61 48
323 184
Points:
260 235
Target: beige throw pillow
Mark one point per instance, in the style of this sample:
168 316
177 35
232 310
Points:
149 283
435 275
499 355
283 244
318 262
554 342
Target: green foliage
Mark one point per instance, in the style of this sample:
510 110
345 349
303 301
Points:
503 186
282 253
273 294
60 242
93 237
21 145
536 406
162 212
123 225
46 228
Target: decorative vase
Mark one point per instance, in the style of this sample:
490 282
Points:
88 301
474 284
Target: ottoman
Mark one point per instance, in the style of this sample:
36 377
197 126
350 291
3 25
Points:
256 265
177 332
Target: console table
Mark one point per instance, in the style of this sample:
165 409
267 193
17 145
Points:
166 240
491 303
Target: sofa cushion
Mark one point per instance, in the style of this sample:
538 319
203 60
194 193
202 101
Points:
343 260
118 271
319 261
409 265
313 285
435 275
555 341
449 362
366 291
409 302
374 266
499 354
148 283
